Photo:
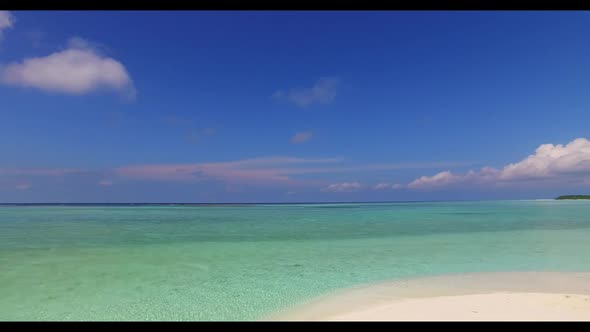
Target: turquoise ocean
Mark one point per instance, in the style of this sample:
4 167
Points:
244 262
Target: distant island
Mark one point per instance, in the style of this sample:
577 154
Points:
574 197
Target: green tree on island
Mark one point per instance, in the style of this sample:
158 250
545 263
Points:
574 197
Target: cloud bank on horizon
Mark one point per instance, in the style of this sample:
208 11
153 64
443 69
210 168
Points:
549 164
570 162
262 171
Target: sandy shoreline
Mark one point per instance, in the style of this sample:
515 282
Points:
506 296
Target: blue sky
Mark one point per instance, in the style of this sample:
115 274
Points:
293 106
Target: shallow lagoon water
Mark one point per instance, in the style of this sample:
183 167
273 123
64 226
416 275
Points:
244 262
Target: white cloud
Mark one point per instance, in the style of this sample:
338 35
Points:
322 92
386 186
77 42
301 137
77 70
438 180
550 162
6 21
343 187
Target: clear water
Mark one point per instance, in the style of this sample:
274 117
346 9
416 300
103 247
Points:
242 263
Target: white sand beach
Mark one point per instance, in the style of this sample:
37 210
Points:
518 296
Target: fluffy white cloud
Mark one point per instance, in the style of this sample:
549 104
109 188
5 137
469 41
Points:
77 70
343 187
6 21
301 137
322 92
550 162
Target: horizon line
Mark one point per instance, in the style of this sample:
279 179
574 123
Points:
270 203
